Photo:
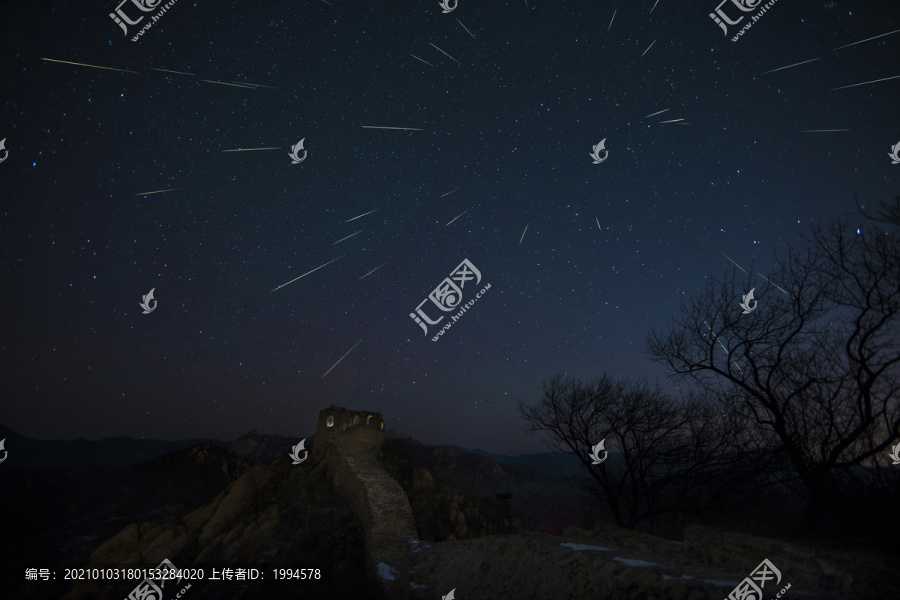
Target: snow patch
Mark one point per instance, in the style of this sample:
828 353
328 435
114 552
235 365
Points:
386 572
682 578
633 562
582 547
417 587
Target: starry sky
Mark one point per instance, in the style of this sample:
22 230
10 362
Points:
583 259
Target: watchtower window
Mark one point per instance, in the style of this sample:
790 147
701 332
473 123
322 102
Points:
356 420
382 425
329 421
369 420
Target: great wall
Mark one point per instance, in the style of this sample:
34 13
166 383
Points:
348 442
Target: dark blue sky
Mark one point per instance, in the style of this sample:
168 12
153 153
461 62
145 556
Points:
508 129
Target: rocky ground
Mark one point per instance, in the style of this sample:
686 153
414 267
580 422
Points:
615 564
210 504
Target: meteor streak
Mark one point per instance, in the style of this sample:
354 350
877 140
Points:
372 271
362 215
424 61
242 85
611 20
448 193
168 71
444 53
85 65
843 87
735 264
305 274
342 358
865 40
598 223
654 6
656 113
158 192
672 121
789 66
766 278
259 85
648 48
467 29
523 235
400 128
723 346
457 216
348 237
249 149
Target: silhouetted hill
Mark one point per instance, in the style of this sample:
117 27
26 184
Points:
246 504
555 464
29 453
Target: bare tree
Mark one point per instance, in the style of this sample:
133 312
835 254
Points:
666 455
817 364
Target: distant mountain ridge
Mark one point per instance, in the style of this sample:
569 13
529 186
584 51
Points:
123 450
555 464
29 453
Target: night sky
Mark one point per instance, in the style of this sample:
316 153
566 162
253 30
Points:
501 135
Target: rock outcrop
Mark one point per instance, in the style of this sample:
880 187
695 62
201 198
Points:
273 514
611 563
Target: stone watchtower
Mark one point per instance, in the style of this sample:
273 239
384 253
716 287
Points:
348 441
338 425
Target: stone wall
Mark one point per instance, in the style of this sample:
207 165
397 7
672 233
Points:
380 505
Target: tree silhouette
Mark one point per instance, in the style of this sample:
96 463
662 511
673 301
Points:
817 364
666 457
